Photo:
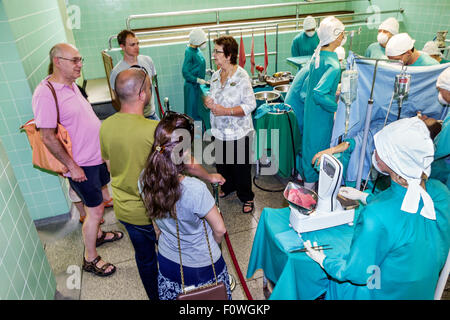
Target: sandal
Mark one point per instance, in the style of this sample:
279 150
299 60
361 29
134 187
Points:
247 204
109 203
99 271
82 218
117 236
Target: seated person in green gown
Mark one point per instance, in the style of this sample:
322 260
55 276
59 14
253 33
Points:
403 233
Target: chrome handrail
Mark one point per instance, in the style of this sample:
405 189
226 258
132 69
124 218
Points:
248 24
227 9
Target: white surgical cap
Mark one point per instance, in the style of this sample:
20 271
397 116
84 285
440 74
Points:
432 49
197 37
391 25
443 81
309 23
399 44
329 30
340 51
405 146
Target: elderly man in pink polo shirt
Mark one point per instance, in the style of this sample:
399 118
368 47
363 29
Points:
87 171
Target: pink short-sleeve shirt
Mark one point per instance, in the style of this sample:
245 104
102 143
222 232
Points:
76 115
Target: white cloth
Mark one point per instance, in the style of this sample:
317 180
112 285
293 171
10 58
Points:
432 49
390 24
197 37
309 23
399 44
443 81
405 146
329 30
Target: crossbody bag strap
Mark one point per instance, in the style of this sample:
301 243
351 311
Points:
52 89
179 250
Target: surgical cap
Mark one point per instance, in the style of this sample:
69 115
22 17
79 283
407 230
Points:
197 37
432 49
329 30
309 23
399 44
391 25
405 146
443 81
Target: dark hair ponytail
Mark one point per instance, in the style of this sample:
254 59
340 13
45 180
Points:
160 179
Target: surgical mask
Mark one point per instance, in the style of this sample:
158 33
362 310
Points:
344 40
382 38
441 99
375 165
203 46
310 33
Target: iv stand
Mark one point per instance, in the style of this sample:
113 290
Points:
368 118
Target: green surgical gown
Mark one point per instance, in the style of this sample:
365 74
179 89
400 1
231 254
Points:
297 94
440 168
194 66
302 45
376 51
320 106
394 255
444 61
424 60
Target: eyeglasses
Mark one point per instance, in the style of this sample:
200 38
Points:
215 51
145 76
75 60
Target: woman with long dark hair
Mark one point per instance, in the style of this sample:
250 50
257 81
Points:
178 204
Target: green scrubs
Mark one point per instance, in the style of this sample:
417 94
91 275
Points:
440 168
302 45
194 66
376 51
296 95
320 106
393 254
424 60
444 61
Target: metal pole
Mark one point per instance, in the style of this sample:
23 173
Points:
366 130
209 46
276 50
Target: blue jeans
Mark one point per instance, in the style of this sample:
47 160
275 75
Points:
144 241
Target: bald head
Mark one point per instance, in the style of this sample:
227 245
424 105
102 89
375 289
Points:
129 82
60 49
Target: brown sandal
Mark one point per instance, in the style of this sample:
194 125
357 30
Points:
92 267
117 236
248 204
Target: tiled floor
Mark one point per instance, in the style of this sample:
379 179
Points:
64 248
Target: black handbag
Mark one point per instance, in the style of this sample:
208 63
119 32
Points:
216 291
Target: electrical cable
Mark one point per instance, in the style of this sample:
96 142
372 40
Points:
293 153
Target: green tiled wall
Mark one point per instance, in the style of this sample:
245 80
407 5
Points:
95 29
421 20
28 30
25 273
103 18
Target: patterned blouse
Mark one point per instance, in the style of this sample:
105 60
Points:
237 91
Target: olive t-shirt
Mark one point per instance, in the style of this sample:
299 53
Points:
126 140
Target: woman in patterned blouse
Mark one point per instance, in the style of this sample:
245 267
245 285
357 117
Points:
231 101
